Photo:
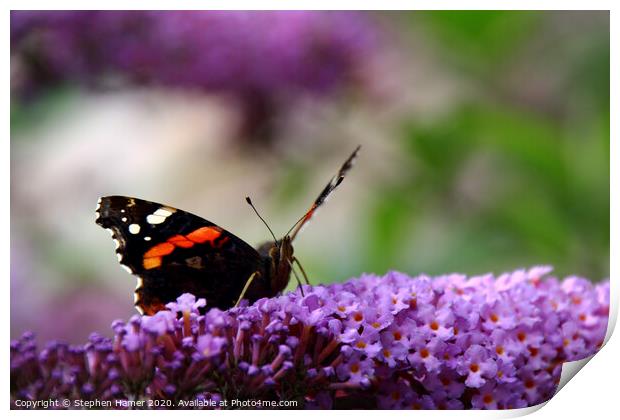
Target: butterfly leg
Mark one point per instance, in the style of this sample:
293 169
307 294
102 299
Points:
302 270
297 278
246 287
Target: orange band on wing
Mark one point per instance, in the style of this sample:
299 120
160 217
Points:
204 234
152 257
152 308
181 241
152 262
159 250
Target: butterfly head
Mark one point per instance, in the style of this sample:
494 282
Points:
279 256
283 253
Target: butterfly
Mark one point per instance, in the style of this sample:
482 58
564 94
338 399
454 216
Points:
172 252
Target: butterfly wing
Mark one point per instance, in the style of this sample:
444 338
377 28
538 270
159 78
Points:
174 252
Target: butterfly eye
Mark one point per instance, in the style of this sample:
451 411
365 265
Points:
274 252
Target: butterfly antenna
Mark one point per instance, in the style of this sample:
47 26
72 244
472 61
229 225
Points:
247 199
299 221
329 188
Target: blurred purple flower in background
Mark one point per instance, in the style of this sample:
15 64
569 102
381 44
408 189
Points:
448 342
263 60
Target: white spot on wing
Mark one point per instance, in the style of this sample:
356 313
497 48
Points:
124 219
147 238
136 297
163 212
119 257
127 269
134 229
155 219
97 209
159 215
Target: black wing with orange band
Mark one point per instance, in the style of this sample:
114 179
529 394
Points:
173 252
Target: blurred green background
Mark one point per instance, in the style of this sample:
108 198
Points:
485 148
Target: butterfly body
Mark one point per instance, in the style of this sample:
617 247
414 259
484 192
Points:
172 252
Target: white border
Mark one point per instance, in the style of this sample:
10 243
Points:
320 5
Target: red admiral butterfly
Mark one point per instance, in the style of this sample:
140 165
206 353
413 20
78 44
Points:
174 252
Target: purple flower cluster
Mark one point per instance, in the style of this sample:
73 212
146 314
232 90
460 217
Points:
259 58
391 342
